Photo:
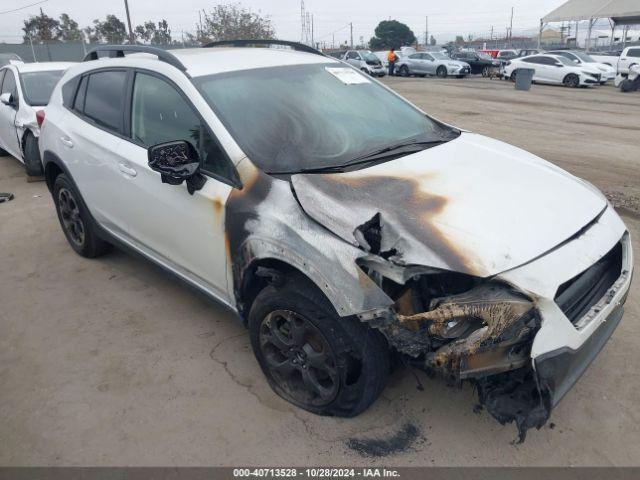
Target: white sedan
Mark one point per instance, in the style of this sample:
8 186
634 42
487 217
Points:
555 70
583 59
25 89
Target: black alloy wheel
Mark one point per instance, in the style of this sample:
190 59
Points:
299 359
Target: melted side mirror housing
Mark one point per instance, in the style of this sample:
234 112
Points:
177 162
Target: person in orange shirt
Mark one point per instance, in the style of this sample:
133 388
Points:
392 58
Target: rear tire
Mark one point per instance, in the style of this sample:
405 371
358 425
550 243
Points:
441 72
485 71
75 220
571 81
513 76
404 71
32 161
313 358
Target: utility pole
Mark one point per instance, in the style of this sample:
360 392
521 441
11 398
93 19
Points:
351 27
132 39
511 27
426 32
312 31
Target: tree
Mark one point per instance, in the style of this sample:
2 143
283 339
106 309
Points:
156 34
432 41
111 30
40 28
232 22
392 34
68 29
459 40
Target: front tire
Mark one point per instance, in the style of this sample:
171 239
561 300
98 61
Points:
32 161
441 72
571 81
75 220
313 358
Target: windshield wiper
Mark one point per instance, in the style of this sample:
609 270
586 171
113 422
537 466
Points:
393 150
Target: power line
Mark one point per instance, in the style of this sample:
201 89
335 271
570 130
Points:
23 7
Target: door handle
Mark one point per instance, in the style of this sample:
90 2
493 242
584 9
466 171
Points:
66 141
127 170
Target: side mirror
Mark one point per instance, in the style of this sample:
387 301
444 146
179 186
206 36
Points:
7 99
177 162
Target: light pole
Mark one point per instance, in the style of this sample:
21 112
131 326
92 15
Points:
132 39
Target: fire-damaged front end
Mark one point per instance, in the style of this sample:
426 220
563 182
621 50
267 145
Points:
506 272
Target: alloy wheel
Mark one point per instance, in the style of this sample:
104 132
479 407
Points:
299 359
70 214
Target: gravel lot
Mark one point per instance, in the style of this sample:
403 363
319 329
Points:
112 362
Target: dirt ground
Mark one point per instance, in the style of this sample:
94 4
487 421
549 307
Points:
112 362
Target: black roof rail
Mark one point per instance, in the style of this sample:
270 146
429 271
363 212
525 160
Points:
119 51
247 43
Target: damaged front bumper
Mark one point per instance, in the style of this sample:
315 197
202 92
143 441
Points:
538 328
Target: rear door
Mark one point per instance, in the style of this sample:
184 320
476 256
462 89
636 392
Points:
8 135
429 64
90 142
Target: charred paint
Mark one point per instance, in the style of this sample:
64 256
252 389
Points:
408 214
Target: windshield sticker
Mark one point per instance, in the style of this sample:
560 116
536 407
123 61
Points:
348 76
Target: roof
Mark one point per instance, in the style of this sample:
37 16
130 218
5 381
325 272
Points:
207 61
623 12
42 66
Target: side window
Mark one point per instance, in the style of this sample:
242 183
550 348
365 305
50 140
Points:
547 61
160 114
352 55
104 99
532 60
426 56
415 56
1 77
78 104
634 52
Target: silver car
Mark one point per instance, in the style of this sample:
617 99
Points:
365 61
432 63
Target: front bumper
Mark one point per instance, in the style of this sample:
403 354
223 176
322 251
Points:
377 72
558 369
459 70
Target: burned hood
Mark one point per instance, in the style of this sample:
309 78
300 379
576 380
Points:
473 205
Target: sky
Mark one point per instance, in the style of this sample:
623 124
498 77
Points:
331 18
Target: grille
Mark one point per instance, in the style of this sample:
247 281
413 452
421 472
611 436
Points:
576 296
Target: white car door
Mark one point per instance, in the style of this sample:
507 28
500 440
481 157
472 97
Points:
630 56
90 138
184 231
8 135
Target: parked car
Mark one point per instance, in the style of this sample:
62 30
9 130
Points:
525 52
582 59
25 91
9 58
340 222
491 53
366 61
630 56
504 55
554 69
479 62
432 63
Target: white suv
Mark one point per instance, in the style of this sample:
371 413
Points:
340 222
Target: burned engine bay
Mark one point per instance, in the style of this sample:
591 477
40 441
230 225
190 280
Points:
460 327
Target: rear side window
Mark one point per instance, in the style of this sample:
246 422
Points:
78 104
104 102
68 91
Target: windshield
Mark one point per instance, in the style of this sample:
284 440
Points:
37 86
566 61
584 57
369 57
439 55
307 117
